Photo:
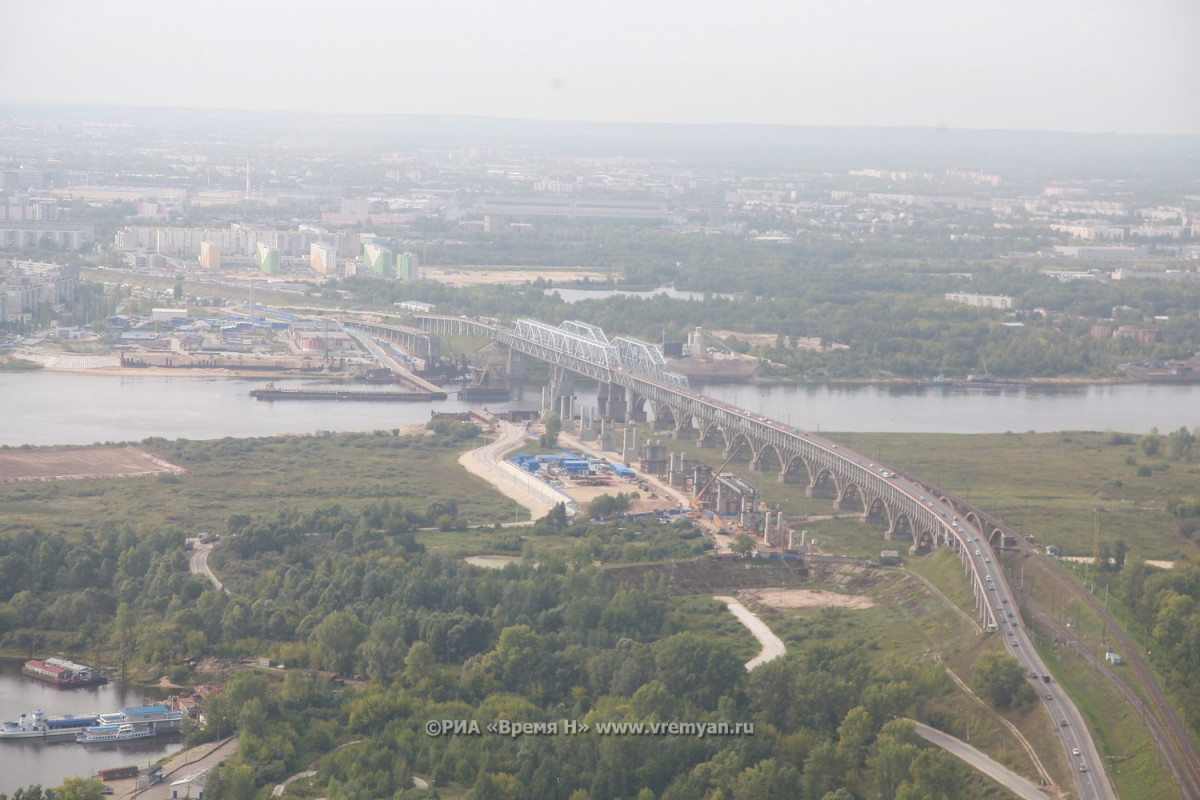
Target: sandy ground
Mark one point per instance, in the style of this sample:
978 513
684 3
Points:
772 645
803 598
76 463
1090 560
457 276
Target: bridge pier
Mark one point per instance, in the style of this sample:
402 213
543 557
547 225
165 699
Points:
818 491
684 432
515 364
790 477
610 403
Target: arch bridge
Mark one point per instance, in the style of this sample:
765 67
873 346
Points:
635 381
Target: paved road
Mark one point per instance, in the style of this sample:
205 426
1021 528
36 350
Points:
198 564
194 764
488 463
998 772
1180 760
772 645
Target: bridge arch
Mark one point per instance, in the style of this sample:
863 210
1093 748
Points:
878 511
850 498
794 469
901 528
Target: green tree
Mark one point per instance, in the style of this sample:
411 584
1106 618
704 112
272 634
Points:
336 639
938 775
1179 444
891 756
999 678
80 789
556 517
743 545
698 668
553 429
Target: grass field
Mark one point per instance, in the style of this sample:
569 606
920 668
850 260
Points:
259 477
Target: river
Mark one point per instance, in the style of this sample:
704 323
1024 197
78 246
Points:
59 408
28 761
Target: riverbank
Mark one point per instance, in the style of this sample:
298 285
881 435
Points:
755 380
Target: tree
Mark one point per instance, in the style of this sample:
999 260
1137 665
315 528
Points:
697 668
1179 444
556 517
1119 551
743 545
80 789
999 678
553 429
337 637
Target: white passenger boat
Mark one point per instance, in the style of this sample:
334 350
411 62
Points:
123 732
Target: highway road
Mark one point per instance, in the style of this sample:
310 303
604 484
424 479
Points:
998 603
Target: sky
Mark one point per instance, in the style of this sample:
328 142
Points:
1122 66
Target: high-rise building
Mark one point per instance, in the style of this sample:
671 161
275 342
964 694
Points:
358 206
379 259
323 258
266 258
210 255
408 267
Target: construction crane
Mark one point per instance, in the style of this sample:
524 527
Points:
700 494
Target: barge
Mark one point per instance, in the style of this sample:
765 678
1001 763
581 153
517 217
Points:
64 673
484 394
270 392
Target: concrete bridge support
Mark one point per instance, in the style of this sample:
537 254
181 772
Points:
515 364
610 402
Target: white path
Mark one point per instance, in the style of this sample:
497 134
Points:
773 646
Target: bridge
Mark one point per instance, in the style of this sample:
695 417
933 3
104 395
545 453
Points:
635 382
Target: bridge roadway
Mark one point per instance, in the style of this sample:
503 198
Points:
912 510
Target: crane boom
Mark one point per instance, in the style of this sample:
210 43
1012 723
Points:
700 494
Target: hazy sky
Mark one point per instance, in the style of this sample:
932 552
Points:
1078 65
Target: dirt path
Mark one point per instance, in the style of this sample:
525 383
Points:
772 645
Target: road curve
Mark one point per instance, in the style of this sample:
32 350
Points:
198 564
487 462
996 771
772 645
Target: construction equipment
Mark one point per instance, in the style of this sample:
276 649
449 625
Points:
700 494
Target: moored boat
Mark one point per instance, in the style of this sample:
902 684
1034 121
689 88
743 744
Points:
62 672
158 717
123 732
36 725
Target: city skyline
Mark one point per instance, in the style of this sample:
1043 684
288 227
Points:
1103 66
